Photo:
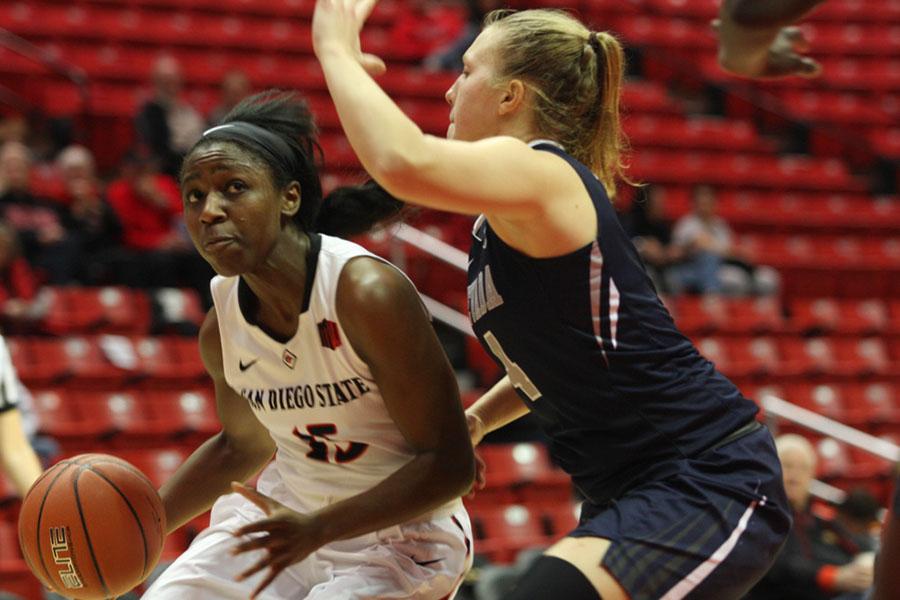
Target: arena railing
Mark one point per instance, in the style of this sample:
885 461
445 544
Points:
52 63
773 406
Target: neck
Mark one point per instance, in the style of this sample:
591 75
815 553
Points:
279 284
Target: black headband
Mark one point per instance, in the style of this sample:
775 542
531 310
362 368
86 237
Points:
272 147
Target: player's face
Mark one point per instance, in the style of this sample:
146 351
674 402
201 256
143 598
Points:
473 97
231 208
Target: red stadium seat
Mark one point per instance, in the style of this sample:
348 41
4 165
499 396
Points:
169 361
521 464
158 465
75 310
833 458
562 519
121 417
61 417
869 404
753 356
701 314
827 400
859 357
78 360
757 315
506 531
15 576
807 357
184 413
7 492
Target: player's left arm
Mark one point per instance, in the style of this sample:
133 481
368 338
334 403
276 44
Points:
17 458
387 326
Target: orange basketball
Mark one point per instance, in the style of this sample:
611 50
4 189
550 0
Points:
92 526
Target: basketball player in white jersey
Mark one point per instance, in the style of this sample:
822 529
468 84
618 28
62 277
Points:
322 354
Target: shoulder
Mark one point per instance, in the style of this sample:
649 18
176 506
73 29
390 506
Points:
370 283
376 302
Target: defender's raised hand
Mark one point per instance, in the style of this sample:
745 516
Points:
336 26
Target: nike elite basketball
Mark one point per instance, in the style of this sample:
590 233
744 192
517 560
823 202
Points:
92 527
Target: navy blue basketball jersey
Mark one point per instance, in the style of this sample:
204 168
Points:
595 355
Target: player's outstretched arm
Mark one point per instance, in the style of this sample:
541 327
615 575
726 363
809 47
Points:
757 38
498 176
236 453
17 458
887 576
499 406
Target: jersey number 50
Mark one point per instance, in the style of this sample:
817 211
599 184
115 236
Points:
323 448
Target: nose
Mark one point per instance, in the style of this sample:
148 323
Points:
450 94
213 209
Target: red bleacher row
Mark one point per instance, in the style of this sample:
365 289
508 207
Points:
859 88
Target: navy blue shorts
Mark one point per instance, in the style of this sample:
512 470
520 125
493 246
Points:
710 531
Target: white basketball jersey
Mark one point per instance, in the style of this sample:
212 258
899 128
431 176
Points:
313 393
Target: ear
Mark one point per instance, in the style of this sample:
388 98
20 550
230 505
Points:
291 199
513 97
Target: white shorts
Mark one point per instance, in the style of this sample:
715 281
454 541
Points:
390 563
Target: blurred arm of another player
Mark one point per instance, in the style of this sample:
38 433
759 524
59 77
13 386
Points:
236 453
757 38
499 406
887 575
17 458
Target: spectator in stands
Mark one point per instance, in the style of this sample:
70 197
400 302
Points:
651 233
148 204
857 520
423 26
817 561
13 128
757 39
94 220
18 283
712 264
166 124
47 242
235 87
449 58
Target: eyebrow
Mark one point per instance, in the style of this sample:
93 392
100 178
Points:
216 169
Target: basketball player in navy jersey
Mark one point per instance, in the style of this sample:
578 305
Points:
323 355
683 486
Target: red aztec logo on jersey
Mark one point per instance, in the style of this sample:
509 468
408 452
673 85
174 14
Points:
328 333
289 358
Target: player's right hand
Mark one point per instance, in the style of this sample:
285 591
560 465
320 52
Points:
476 434
336 26
785 58
854 577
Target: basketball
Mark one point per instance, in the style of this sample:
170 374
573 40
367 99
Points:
92 526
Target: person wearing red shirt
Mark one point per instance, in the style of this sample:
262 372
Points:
148 205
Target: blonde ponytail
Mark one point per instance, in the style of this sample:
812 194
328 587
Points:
576 76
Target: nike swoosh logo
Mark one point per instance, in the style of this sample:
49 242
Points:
248 365
427 562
